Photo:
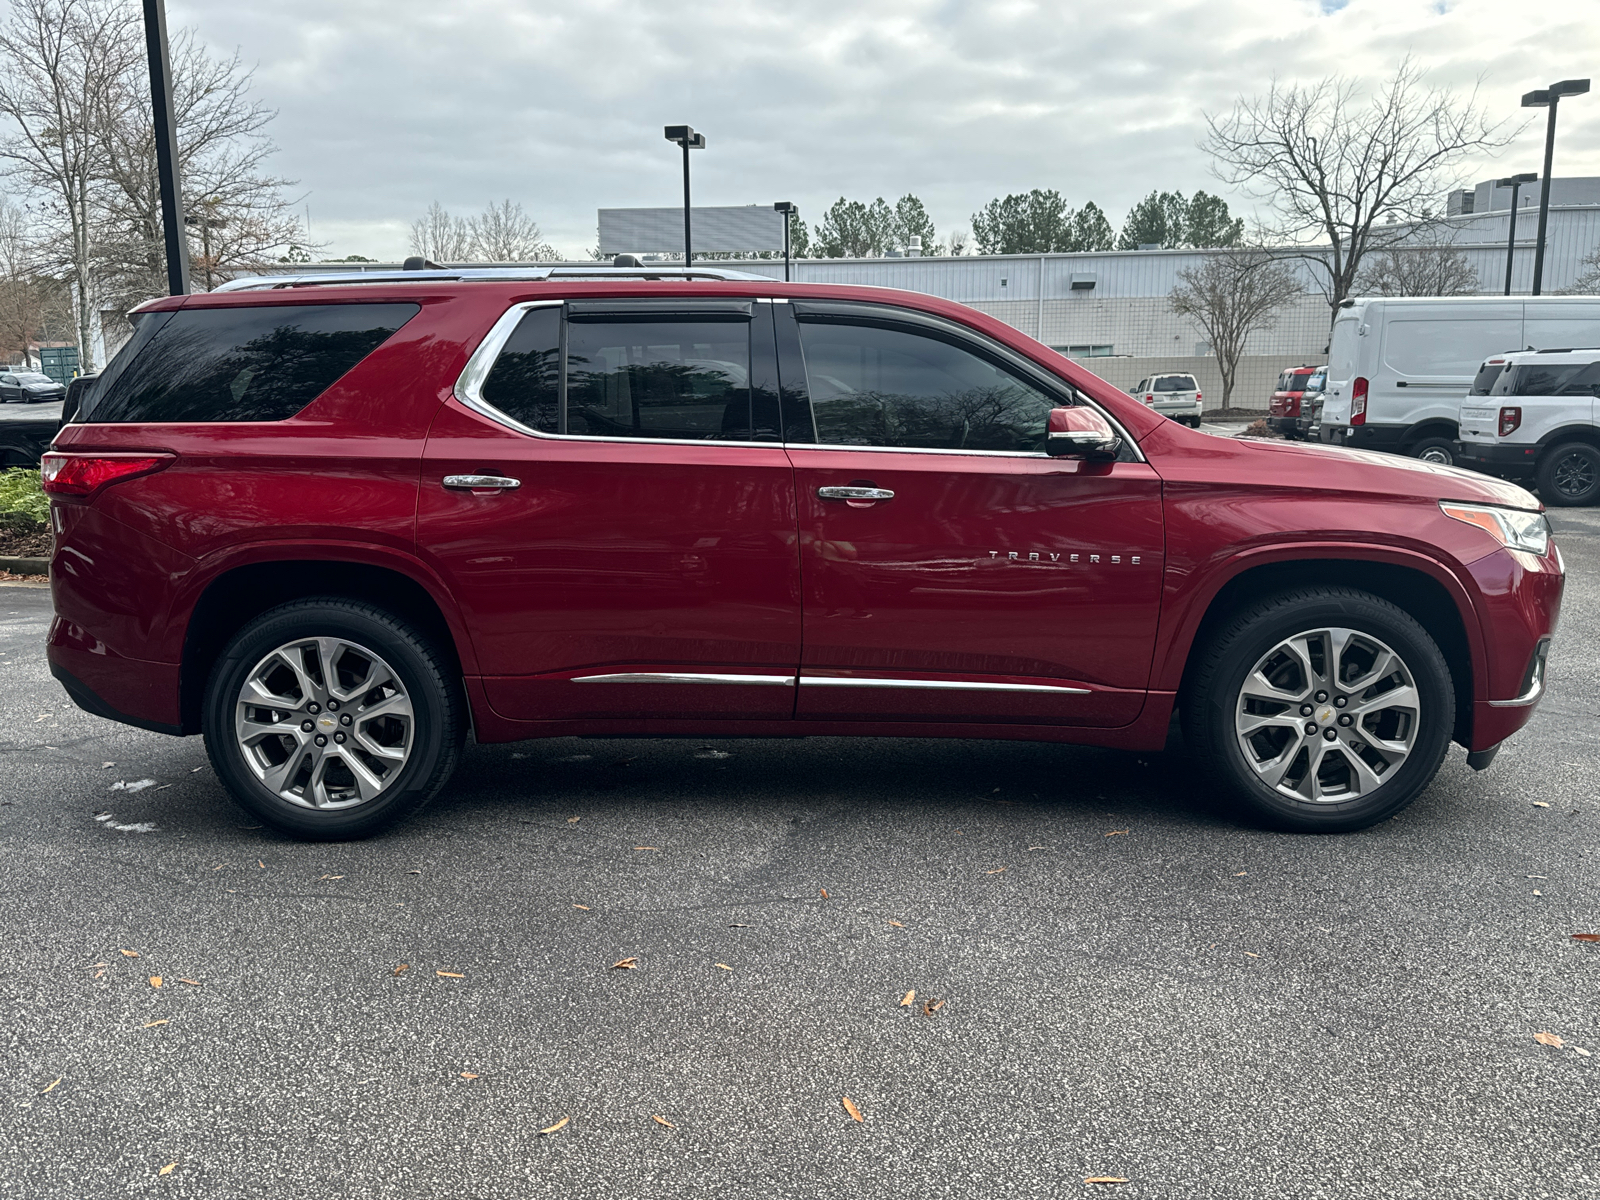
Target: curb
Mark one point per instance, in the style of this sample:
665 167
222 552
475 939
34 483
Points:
25 566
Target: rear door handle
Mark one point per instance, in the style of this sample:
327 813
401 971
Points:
855 493
481 482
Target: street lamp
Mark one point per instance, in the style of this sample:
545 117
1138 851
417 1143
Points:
1515 183
1549 98
788 209
685 136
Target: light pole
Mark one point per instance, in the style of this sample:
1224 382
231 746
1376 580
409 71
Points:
1515 183
788 209
1549 98
686 137
155 39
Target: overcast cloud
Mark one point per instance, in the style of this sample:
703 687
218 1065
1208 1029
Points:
386 105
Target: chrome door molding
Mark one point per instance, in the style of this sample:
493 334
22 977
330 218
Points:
942 685
687 677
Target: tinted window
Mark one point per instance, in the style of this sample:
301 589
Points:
525 380
1536 379
1485 378
1176 383
258 363
872 386
680 377
1585 383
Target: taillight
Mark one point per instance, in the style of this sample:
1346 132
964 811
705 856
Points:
1150 399
85 474
1358 401
1198 397
1510 419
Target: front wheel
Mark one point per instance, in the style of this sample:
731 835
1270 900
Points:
330 719
1320 710
1435 450
1568 475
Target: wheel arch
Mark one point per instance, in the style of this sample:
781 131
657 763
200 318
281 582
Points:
1568 433
241 593
1434 427
1416 591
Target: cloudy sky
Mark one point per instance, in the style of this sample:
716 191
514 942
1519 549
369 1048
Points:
386 105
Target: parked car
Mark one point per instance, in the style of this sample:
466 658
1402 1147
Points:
1399 368
29 387
1175 396
1531 417
1288 410
333 523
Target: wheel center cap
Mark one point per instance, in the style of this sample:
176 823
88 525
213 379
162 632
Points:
326 722
1325 716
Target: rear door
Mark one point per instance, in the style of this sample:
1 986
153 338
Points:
951 570
637 557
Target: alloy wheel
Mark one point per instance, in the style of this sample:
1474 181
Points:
324 723
1574 475
1327 715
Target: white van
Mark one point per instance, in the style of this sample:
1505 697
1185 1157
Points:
1398 369
1531 417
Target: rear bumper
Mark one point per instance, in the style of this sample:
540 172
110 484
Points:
91 701
1363 437
1514 461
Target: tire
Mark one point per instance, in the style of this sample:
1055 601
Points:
1568 475
1435 450
1338 797
373 770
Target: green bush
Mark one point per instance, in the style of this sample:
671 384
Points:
20 493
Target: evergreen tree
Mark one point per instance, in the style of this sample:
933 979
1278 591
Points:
1210 224
1036 222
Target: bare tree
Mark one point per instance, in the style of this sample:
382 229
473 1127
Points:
505 233
236 214
63 60
1431 268
440 237
1231 295
1360 177
1588 281
34 306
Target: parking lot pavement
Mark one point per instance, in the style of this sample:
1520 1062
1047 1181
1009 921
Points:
1111 977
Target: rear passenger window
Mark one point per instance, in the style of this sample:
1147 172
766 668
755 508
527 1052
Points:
679 377
245 363
876 386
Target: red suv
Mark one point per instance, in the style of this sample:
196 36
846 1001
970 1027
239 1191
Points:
1297 387
340 525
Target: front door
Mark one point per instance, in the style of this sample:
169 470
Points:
637 557
951 570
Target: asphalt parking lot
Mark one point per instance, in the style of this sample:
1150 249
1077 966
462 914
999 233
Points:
1112 978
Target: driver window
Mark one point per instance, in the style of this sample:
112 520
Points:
876 386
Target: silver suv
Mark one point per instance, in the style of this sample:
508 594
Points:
1175 396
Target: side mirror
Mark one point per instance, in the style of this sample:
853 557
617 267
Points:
1080 432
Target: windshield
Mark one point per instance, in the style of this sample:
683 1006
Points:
1175 383
1484 381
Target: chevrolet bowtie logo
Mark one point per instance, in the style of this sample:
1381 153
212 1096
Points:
1048 556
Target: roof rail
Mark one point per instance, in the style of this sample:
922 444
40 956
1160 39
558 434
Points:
529 274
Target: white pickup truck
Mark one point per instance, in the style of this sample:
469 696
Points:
1532 415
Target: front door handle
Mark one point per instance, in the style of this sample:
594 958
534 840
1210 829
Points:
478 483
855 493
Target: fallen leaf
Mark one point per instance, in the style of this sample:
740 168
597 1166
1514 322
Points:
319 880
724 966
52 1086
1115 832
1586 937
573 820
1237 874
824 892
647 847
219 866
402 968
128 953
1548 1039
1038 847
261 864
1105 1179
663 1121
103 766
1250 955
585 907
155 981
929 1007
153 1024
850 1107
625 964
168 1169
738 925
561 1124
897 924
468 1075
996 871
449 974
99 974
1540 804
906 1000
418 872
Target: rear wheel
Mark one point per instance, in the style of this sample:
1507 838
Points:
1569 475
1321 711
329 719
1435 450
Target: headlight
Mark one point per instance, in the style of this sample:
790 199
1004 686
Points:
1511 527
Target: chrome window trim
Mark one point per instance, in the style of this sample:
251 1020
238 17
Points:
941 685
686 677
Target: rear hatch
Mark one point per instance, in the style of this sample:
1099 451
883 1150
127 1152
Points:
1478 410
1176 393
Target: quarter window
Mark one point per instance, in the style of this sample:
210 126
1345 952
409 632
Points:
525 381
877 386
